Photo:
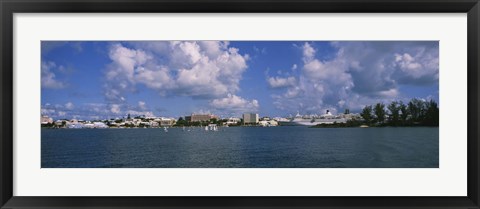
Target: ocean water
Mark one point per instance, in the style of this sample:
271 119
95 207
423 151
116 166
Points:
242 147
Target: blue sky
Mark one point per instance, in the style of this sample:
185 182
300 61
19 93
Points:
107 79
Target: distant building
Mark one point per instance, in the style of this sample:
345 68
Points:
154 124
233 121
250 118
165 121
265 118
61 123
75 125
45 120
99 125
200 117
266 123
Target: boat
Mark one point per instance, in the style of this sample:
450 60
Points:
165 129
313 120
212 127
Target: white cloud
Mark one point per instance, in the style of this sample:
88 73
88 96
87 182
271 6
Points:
49 79
420 65
213 49
69 106
360 73
278 82
235 104
115 108
140 113
308 52
46 111
205 70
142 105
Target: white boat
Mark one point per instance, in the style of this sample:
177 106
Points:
307 120
212 127
165 129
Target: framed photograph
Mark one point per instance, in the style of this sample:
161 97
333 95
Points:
263 104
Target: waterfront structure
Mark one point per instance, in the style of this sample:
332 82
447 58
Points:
265 118
76 125
165 121
45 120
280 119
99 125
60 123
233 121
250 118
153 122
200 117
312 120
268 123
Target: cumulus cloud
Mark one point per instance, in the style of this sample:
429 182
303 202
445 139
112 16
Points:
142 105
57 111
115 108
418 67
359 74
278 82
48 77
308 52
202 70
69 106
235 104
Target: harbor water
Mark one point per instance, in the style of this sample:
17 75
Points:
241 147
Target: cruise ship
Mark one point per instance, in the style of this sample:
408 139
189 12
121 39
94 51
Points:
309 120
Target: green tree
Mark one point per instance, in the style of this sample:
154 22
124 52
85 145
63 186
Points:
367 114
416 108
380 113
181 122
394 113
213 121
431 114
404 113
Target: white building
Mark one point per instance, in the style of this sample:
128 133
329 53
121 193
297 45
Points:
233 121
60 123
99 125
268 123
75 125
250 118
165 121
45 120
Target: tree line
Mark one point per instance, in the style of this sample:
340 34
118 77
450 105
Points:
415 113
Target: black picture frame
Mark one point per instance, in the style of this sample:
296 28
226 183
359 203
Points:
10 7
